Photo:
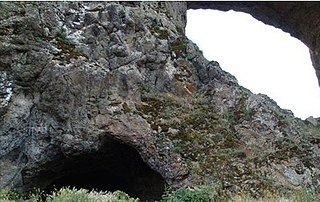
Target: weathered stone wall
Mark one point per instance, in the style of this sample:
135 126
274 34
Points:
70 72
76 75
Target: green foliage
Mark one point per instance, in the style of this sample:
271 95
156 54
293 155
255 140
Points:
67 47
81 195
203 193
10 194
146 88
67 195
217 194
197 194
122 196
126 108
243 196
36 195
303 195
63 38
179 46
160 32
229 116
300 195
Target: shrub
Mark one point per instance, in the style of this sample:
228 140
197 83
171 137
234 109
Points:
204 193
267 197
303 195
123 197
197 194
9 195
80 195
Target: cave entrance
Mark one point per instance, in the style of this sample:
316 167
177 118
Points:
117 167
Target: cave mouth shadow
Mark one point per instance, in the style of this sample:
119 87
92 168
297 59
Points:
117 167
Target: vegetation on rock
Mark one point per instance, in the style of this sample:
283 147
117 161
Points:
203 193
80 78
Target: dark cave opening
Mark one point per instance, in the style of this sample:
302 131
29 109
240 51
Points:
117 167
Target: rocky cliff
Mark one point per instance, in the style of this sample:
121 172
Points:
115 93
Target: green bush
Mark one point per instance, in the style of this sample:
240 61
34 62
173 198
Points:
303 195
81 195
9 195
66 195
123 197
63 38
197 194
203 193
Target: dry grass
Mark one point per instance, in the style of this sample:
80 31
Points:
246 198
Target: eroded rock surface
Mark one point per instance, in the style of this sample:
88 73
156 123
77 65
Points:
76 76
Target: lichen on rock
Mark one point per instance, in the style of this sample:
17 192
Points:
83 77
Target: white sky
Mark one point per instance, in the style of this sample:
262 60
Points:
264 59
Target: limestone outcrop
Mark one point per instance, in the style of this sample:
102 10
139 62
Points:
84 85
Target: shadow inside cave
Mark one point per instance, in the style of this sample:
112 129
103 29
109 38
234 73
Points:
117 167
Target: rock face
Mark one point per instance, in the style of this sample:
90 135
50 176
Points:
300 19
85 85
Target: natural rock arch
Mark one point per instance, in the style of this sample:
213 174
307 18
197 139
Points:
300 19
132 81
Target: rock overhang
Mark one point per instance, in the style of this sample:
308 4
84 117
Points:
114 166
135 78
300 19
